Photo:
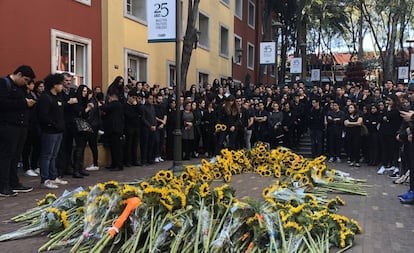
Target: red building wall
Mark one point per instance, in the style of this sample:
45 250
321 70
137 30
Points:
254 36
25 32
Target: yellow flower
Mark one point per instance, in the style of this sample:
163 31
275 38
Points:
292 224
227 178
144 185
297 209
265 192
204 190
184 176
111 185
64 218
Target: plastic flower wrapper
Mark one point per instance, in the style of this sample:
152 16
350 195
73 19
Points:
50 220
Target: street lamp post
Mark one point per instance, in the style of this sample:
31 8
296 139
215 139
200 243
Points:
302 47
275 27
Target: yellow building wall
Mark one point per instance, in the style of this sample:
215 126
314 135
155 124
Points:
121 33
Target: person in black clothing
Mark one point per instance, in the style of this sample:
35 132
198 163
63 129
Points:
161 117
170 126
94 118
82 110
148 128
114 129
316 120
208 122
117 88
229 115
14 120
287 123
64 162
52 124
352 123
132 113
31 149
334 122
197 131
371 121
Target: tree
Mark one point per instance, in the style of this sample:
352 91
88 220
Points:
190 38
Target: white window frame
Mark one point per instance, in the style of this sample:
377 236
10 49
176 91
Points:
85 2
203 72
254 14
56 35
225 54
250 45
202 33
238 15
130 52
236 58
132 17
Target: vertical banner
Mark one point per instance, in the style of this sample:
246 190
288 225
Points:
403 72
315 75
267 52
296 65
161 20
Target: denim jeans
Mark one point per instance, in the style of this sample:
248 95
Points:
50 144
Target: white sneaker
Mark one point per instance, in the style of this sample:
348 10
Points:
331 160
31 173
37 170
156 160
338 160
59 181
383 169
160 159
100 132
92 167
49 184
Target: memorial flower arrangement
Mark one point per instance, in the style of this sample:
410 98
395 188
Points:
185 213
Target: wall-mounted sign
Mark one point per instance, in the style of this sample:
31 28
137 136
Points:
296 65
315 75
403 72
267 52
161 20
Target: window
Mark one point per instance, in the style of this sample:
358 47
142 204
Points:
136 9
237 47
251 14
224 41
238 9
202 78
172 75
203 27
72 54
250 56
225 2
86 2
138 66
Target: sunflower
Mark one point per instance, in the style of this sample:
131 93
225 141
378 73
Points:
111 185
144 185
204 190
265 192
64 218
227 178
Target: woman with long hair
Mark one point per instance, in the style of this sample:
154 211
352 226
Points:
390 122
208 122
228 115
187 130
371 121
353 123
275 124
117 88
82 109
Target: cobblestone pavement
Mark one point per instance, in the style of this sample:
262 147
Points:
387 224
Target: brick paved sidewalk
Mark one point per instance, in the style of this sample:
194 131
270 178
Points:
387 225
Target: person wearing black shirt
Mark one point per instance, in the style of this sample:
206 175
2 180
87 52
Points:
132 115
334 122
52 124
14 120
114 128
161 117
148 128
316 122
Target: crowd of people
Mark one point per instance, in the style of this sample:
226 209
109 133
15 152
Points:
47 124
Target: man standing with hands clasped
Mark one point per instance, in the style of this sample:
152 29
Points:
14 120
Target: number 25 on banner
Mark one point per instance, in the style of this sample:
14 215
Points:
161 10
161 20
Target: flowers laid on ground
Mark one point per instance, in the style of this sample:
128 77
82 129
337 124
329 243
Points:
184 212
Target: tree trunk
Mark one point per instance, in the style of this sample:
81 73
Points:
190 38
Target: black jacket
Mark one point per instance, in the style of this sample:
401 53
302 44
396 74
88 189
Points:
50 113
13 106
114 122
